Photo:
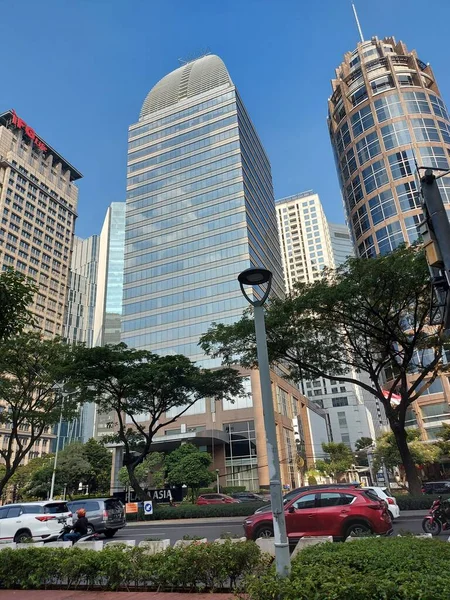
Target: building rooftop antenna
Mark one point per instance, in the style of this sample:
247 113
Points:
357 23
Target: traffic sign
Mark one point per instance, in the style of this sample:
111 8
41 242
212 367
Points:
148 507
131 508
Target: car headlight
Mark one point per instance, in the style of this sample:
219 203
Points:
247 522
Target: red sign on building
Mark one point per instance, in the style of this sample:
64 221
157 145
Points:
29 132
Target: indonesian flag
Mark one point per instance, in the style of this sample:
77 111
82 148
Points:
395 398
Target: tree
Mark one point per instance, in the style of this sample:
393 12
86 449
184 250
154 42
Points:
16 294
368 316
132 383
339 461
363 443
31 369
187 465
22 477
387 451
153 467
100 460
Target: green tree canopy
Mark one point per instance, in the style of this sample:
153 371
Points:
421 453
369 316
363 443
31 380
88 464
151 472
132 383
16 295
187 465
340 459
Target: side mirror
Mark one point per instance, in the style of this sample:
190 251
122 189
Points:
291 509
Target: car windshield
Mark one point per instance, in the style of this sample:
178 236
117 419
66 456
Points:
56 507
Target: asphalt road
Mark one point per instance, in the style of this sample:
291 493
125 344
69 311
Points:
213 529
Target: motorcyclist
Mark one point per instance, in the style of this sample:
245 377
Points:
80 527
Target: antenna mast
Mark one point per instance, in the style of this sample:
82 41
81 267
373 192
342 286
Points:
357 23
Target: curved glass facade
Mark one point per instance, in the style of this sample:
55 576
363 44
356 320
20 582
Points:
386 117
200 209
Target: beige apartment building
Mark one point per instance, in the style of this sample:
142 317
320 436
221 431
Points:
38 203
386 117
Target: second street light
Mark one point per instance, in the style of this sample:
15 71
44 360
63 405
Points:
257 277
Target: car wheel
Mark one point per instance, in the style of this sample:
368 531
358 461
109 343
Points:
265 531
391 515
109 533
358 529
90 529
22 537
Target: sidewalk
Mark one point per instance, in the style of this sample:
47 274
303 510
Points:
71 595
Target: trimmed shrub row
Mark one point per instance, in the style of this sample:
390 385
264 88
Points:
370 569
416 502
192 511
202 567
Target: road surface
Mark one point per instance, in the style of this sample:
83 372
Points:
213 529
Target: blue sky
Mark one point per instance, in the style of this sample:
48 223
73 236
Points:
78 71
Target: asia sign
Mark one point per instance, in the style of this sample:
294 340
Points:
29 132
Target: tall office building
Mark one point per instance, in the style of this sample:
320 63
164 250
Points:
79 322
38 203
200 209
385 116
308 245
108 302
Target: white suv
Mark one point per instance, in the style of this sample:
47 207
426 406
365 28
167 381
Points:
391 502
36 521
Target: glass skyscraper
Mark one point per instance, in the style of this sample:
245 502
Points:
200 209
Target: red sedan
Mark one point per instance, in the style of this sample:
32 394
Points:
334 512
216 499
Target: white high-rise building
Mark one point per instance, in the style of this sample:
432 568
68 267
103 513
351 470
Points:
308 245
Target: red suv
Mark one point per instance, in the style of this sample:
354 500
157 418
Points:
335 512
216 499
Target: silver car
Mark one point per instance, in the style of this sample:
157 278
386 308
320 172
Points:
104 515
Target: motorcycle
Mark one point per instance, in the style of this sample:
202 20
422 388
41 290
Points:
67 524
438 517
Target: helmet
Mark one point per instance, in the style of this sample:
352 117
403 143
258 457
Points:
81 512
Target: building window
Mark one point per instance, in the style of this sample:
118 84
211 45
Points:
408 196
438 107
395 134
435 412
348 164
381 83
362 120
339 401
283 400
444 188
416 102
434 156
342 419
389 237
375 176
358 96
445 131
360 221
382 206
342 138
412 228
368 147
405 79
425 130
402 164
366 248
388 107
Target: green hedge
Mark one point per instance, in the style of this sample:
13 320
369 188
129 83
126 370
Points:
423 502
370 569
231 489
192 511
201 567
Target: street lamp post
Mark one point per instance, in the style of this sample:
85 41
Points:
256 277
217 480
58 438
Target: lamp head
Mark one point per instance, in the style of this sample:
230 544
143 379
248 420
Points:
255 276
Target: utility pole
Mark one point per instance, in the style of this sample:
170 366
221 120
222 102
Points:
435 231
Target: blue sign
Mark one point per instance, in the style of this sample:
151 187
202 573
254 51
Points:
148 507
